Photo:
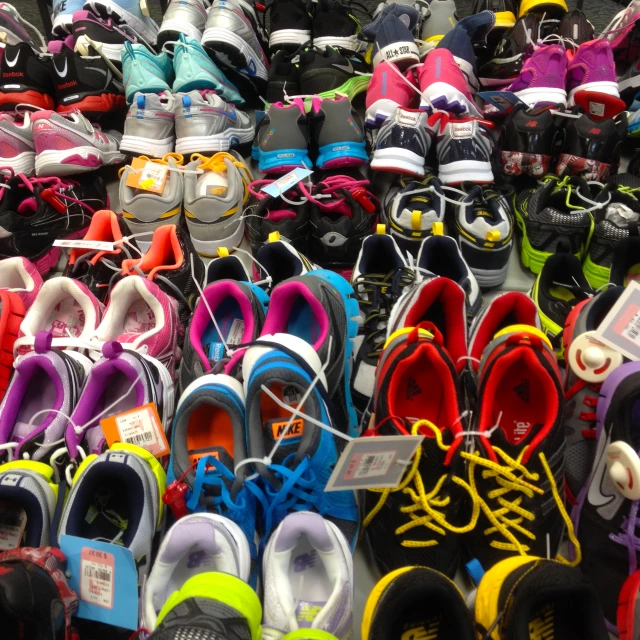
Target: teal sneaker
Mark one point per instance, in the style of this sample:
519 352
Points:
195 70
145 71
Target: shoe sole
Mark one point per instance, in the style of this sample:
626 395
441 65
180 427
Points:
342 154
9 101
13 312
76 160
443 96
22 163
628 609
543 95
103 103
465 170
233 48
110 9
146 146
398 160
218 142
289 37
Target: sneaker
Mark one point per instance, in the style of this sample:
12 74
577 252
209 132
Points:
215 194
239 309
145 72
403 143
195 544
341 221
62 16
516 585
485 233
464 146
128 12
20 276
387 92
118 495
290 24
335 26
12 312
625 265
187 18
17 151
414 598
394 40
622 33
280 261
306 542
553 216
504 10
205 123
407 11
629 82
554 9
441 19
575 26
149 126
284 76
416 377
69 144
26 78
226 267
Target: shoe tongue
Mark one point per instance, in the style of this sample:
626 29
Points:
218 452
513 438
212 98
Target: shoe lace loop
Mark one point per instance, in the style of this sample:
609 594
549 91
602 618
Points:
627 535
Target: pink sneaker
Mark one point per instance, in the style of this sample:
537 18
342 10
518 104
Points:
444 86
386 92
22 277
17 150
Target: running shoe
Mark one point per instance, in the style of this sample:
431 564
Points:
149 126
576 27
20 276
629 82
393 33
27 78
126 12
334 26
62 15
144 71
195 544
284 76
17 151
290 24
421 522
485 233
416 600
68 143
387 92
205 123
215 194
553 9
625 265
187 17
327 72
306 544
514 599
118 496
441 19
277 261
226 267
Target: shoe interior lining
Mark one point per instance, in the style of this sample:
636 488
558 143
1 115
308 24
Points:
65 319
228 315
274 418
302 321
209 426
40 393
139 317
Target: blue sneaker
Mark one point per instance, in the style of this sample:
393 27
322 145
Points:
195 70
144 71
302 464
127 12
62 16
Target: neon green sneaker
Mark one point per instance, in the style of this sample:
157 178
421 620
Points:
309 634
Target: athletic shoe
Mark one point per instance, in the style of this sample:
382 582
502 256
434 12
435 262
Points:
282 138
625 265
225 267
504 10
328 72
387 92
306 542
290 24
552 216
581 396
62 15
335 26
627 603
412 11
128 12
284 76
440 20
414 599
195 544
20 276
343 213
239 309
554 9
17 151
542 77
206 606
278 261
592 147
12 312
187 17
145 211
520 584
145 72
394 42
149 126
403 143
629 82
576 27
143 317
26 78
215 193
485 233
464 146
205 123
118 495
423 387
529 140
559 287
56 209
68 143
304 458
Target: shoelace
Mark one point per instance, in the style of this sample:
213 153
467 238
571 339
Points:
512 476
428 508
627 536
590 401
565 183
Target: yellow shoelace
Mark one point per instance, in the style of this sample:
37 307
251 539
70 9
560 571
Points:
512 476
217 163
430 503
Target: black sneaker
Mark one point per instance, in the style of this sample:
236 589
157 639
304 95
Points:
330 70
290 24
284 76
625 265
26 78
334 25
529 140
575 26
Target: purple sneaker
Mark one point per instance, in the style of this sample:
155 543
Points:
542 77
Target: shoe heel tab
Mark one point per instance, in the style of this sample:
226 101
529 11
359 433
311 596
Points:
525 335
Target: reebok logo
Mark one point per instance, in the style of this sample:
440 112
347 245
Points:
522 390
462 130
67 85
13 74
295 431
407 118
413 389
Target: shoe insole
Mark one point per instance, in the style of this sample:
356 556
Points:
418 393
632 275
302 321
40 394
140 318
66 319
209 428
561 293
275 419
230 321
212 184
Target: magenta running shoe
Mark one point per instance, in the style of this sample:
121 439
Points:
542 77
17 150
386 92
20 276
68 143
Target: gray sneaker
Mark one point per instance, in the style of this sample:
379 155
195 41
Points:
145 211
206 123
183 16
440 19
149 127
214 201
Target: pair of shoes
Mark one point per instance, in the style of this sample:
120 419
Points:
193 122
333 129
188 18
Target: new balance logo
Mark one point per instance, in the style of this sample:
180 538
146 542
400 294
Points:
595 131
522 390
304 561
532 123
413 389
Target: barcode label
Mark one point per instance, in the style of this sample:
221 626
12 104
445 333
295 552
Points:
140 439
632 330
13 522
371 465
97 574
137 428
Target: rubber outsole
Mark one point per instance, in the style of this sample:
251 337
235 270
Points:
9 100
103 103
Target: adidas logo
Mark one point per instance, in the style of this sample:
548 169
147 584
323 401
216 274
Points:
522 390
413 389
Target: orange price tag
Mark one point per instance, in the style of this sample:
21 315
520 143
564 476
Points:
147 175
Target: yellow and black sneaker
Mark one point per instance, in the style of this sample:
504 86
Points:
529 598
416 603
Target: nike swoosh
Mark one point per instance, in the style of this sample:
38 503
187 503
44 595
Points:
62 73
229 114
602 492
348 68
12 63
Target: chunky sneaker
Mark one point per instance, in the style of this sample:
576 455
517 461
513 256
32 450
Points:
403 143
186 17
530 138
17 151
145 72
149 126
196 544
441 19
26 78
20 276
215 193
464 148
62 15
485 233
394 41
334 25
307 542
387 92
284 76
205 123
416 600
290 24
330 72
126 12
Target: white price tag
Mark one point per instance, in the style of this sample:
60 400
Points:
13 522
83 244
620 329
97 571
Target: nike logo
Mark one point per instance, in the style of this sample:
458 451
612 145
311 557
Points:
12 63
602 491
348 68
62 73
229 114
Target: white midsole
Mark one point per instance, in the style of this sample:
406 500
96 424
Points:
52 163
352 43
534 96
208 248
112 51
289 36
216 142
22 163
215 34
465 170
147 146
388 159
610 88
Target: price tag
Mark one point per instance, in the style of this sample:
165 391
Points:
97 582
147 175
83 244
620 329
285 182
13 522
502 100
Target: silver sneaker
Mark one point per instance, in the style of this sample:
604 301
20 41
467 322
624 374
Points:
149 127
183 16
441 19
206 123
